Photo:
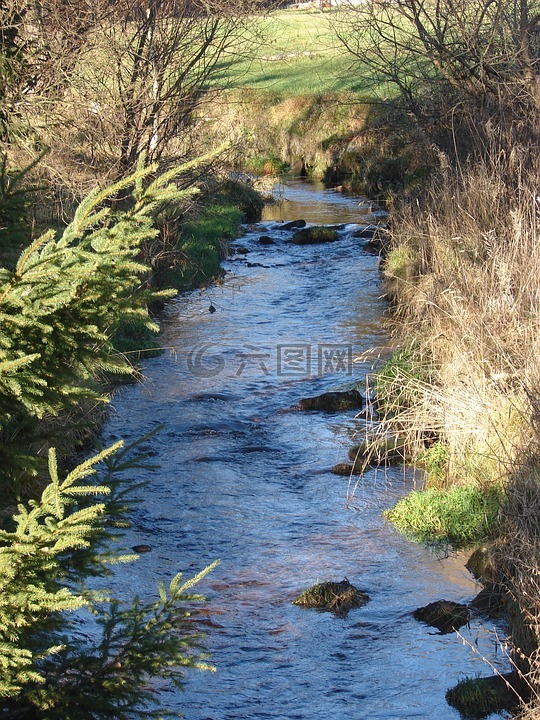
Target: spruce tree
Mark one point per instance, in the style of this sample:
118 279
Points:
61 304
59 307
49 669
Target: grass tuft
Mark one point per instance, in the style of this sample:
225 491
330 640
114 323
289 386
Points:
476 698
460 517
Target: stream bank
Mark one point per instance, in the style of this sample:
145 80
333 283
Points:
470 372
335 138
246 479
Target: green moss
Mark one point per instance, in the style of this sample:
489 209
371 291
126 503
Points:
479 697
335 597
459 517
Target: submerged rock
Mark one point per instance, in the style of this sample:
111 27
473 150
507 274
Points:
340 226
366 232
335 597
445 615
139 549
333 401
343 469
293 225
266 240
315 235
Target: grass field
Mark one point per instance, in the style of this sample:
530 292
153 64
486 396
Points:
301 55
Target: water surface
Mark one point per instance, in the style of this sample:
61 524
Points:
244 479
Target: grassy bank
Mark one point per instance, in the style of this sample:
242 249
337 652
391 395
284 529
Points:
336 137
192 244
463 277
299 105
300 56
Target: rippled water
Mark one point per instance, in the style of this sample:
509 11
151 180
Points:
244 479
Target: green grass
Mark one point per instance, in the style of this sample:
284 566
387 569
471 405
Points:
301 55
479 697
435 462
198 244
459 517
398 262
202 243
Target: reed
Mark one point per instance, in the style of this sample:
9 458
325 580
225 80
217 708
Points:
463 273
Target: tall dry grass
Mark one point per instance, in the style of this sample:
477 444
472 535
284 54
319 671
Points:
463 273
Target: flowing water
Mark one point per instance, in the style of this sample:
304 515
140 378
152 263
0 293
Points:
244 479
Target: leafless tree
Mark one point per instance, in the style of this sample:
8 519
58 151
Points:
168 59
130 76
479 48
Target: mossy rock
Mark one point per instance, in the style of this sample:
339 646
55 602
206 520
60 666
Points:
336 597
480 563
315 236
346 469
293 225
480 697
333 401
445 615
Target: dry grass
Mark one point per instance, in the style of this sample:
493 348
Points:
468 291
464 276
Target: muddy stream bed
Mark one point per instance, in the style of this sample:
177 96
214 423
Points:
243 479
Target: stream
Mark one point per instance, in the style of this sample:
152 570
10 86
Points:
245 479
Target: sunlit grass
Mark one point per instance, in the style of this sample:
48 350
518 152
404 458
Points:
461 516
300 55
